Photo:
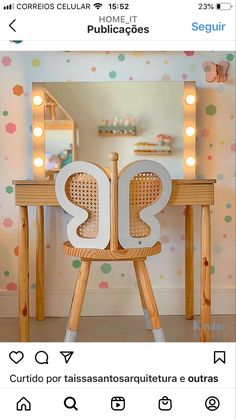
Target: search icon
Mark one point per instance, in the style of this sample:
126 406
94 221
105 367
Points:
70 403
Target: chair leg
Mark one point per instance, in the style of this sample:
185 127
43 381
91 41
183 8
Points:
145 310
148 297
77 302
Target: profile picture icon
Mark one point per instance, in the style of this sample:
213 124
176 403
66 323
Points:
212 403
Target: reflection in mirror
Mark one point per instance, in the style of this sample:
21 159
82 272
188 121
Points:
58 135
139 120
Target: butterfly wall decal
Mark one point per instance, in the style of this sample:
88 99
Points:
216 73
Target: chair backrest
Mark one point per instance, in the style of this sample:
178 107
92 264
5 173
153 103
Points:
82 190
145 189
127 207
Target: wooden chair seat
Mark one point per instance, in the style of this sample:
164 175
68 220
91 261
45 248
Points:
108 254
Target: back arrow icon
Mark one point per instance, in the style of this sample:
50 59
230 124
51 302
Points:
12 24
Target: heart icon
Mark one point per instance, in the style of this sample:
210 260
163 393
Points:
16 357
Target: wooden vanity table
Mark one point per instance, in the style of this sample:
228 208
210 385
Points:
188 193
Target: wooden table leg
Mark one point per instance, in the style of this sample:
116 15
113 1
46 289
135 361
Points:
23 290
205 313
40 315
189 263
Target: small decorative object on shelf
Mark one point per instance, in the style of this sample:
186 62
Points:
117 127
161 146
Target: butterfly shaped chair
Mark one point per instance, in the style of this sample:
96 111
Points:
81 191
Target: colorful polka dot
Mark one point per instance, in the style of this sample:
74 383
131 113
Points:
204 132
184 76
5 113
106 268
6 61
18 90
16 251
228 218
230 57
211 110
10 128
76 264
36 63
189 53
33 286
165 239
228 205
9 189
93 69
12 286
165 77
220 177
121 57
7 222
112 74
233 147
6 273
103 285
212 269
137 54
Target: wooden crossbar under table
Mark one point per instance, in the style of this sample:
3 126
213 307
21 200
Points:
188 193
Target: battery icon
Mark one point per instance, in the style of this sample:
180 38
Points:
224 6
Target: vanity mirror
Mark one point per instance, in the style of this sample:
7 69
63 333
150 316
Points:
140 120
55 134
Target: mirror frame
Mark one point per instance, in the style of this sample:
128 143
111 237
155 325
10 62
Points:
189 141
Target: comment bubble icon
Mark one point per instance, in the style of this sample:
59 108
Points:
41 357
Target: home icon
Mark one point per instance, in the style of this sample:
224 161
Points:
23 404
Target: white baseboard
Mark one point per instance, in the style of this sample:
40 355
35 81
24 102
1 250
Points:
118 301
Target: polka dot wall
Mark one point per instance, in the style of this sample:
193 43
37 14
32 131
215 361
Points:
215 150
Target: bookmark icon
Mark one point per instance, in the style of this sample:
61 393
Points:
67 355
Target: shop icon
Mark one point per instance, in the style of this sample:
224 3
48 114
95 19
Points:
165 404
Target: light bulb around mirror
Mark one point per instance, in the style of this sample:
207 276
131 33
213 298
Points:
190 161
38 132
37 100
38 162
190 99
190 131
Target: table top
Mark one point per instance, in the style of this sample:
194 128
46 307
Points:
184 192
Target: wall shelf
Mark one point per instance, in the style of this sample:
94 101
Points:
117 131
152 153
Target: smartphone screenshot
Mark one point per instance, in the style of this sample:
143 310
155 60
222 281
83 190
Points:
117 209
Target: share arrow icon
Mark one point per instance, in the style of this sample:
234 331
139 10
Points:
67 355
